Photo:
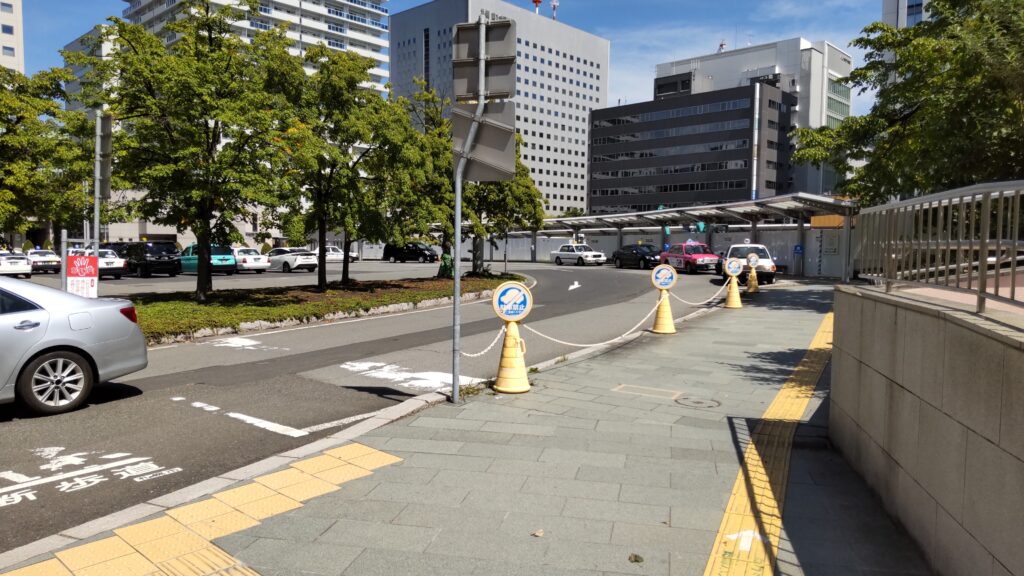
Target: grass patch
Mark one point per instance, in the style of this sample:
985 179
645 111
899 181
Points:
168 315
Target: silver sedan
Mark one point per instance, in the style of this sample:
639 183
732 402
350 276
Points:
57 346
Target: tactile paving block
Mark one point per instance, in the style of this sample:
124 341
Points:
244 494
171 546
309 489
219 526
199 511
343 474
349 451
283 478
375 460
202 562
268 507
94 553
51 567
150 530
131 565
317 464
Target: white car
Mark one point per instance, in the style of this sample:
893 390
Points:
250 260
578 254
45 261
765 264
337 255
289 259
12 264
109 262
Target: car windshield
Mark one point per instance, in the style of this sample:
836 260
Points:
744 251
648 249
697 249
220 251
583 248
420 245
161 249
42 253
248 252
108 254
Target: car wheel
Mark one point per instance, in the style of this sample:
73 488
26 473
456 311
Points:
422 260
391 259
558 261
642 264
286 268
55 382
28 276
144 272
618 263
259 271
117 276
579 261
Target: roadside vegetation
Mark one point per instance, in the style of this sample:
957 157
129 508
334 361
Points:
171 315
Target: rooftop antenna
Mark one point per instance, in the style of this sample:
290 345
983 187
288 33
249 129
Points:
554 9
721 46
536 5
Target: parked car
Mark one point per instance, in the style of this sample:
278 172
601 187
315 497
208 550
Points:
765 265
57 346
44 261
222 259
250 260
289 259
413 251
642 256
578 254
109 262
335 255
12 264
690 257
148 258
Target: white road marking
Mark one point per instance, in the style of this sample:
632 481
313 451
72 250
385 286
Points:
400 375
205 406
15 477
163 347
178 398
341 422
83 471
574 286
240 343
115 456
266 425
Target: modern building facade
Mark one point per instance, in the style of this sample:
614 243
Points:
810 71
12 36
717 146
360 26
904 13
562 75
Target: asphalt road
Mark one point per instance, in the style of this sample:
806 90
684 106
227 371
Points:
205 408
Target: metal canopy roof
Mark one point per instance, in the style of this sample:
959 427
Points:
794 206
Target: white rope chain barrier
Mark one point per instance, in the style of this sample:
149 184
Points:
724 286
616 339
488 349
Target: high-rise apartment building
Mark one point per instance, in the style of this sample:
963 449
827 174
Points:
904 13
562 75
12 36
360 26
811 71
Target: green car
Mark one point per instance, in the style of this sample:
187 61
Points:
221 259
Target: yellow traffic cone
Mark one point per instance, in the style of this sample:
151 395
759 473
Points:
752 287
512 370
663 323
732 294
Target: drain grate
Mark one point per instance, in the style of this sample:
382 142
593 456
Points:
697 402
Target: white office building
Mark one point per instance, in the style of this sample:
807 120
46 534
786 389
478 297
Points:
360 26
12 36
808 70
562 75
904 13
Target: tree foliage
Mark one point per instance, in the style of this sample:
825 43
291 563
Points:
949 110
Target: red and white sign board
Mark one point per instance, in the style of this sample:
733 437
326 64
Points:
83 276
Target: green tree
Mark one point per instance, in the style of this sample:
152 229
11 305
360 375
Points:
949 110
43 158
573 212
204 120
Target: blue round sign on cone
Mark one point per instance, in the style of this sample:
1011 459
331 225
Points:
664 277
512 301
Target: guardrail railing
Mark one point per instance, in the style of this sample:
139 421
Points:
969 239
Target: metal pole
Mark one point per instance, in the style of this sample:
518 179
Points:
97 176
847 239
986 230
457 241
64 260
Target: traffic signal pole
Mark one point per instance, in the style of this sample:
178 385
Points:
460 170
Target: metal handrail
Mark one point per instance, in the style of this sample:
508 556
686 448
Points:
969 239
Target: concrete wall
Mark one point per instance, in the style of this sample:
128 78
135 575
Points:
927 405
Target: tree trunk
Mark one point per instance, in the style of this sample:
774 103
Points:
204 275
321 237
478 254
346 245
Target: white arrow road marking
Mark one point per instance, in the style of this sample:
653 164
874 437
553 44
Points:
266 425
746 539
15 477
400 375
341 422
574 286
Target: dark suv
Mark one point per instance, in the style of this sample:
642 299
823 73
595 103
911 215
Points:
415 251
148 258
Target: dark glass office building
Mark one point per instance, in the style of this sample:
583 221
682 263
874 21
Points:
686 149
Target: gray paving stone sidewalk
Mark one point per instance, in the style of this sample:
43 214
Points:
634 452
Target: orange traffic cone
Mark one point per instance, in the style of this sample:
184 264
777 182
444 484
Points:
663 323
512 369
732 294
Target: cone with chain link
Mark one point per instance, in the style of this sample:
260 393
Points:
512 377
663 323
732 294
752 287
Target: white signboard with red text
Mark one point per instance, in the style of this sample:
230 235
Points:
83 276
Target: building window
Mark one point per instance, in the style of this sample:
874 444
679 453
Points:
9 51
839 89
260 24
6 29
915 12
837 107
6 7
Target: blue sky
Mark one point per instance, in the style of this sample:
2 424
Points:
643 32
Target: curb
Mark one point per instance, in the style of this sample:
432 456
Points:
85 531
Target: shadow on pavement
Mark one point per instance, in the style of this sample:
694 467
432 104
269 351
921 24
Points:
819 300
101 394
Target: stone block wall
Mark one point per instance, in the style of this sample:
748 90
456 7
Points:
927 405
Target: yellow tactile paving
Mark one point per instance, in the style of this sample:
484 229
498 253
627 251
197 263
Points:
199 511
150 530
748 538
342 474
267 507
279 480
94 553
51 567
244 495
219 526
375 460
131 565
349 451
178 544
309 489
172 546
318 464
